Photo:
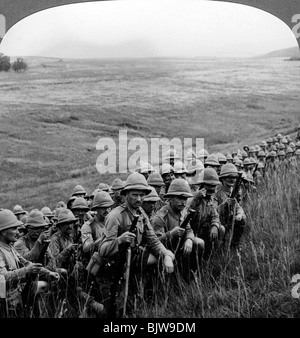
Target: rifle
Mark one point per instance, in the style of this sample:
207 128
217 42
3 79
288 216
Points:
234 192
119 268
189 216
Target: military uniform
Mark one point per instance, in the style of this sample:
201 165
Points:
29 249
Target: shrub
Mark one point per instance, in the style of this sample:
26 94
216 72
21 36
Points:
4 63
19 65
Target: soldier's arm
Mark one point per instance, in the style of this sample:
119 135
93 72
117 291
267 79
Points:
88 244
110 245
14 275
31 255
159 227
214 217
54 250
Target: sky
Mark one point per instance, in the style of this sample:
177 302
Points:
148 28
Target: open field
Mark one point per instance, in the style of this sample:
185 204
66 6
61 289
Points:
53 115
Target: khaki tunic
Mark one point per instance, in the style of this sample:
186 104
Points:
164 221
119 221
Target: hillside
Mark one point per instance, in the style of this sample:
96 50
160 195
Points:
53 115
292 52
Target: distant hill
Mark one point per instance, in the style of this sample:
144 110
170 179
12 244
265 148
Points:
292 52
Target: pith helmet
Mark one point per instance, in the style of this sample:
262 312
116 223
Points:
136 181
103 186
94 193
155 179
298 144
61 204
272 154
261 153
152 197
78 190
209 176
235 159
212 159
246 161
297 152
252 160
66 216
171 153
179 187
229 157
193 165
269 140
47 212
260 165
250 178
252 149
273 148
102 199
263 144
292 145
166 169
281 146
284 141
8 220
239 163
221 158
18 210
202 153
179 168
289 150
243 153
228 169
36 219
146 168
257 148
80 203
190 155
281 153
117 184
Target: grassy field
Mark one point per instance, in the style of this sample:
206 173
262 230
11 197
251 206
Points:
53 115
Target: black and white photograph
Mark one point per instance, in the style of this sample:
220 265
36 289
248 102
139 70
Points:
150 156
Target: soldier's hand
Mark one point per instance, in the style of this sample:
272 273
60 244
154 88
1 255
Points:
33 268
177 231
72 246
231 201
200 194
54 275
168 264
44 236
126 237
188 246
238 217
213 233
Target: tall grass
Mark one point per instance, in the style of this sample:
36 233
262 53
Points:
255 282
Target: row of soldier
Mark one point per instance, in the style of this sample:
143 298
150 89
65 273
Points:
184 213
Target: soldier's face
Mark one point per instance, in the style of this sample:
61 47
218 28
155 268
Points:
135 198
103 212
10 235
34 232
168 178
148 206
178 203
210 189
229 181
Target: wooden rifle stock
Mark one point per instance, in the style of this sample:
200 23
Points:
119 268
189 216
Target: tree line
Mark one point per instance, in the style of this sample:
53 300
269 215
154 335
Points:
18 66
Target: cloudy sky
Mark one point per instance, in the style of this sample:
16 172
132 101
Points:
148 28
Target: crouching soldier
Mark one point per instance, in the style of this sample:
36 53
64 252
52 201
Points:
232 215
19 282
168 225
206 222
124 239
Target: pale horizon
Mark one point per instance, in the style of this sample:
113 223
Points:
148 28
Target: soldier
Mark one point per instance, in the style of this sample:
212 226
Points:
146 246
171 156
18 211
92 231
167 174
232 215
180 170
18 272
206 223
79 191
81 210
244 155
156 181
193 170
229 159
116 187
212 162
149 203
202 155
34 244
167 226
62 248
221 158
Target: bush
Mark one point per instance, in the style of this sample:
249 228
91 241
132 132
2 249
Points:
4 63
19 65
